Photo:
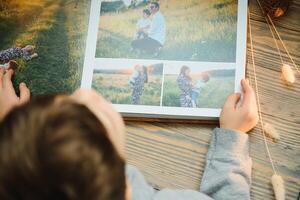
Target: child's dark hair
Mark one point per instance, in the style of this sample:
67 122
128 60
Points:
156 4
51 149
147 12
183 70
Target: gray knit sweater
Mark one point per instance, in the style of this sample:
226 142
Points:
227 173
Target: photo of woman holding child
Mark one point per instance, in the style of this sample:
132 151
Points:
189 92
170 85
136 82
197 85
130 83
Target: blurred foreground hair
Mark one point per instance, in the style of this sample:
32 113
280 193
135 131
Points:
53 148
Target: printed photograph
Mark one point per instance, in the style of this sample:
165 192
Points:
129 82
194 86
44 41
179 30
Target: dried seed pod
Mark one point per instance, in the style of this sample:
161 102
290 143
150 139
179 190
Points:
271 131
278 187
288 74
275 8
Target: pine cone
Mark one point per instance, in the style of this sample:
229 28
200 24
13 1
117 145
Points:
275 8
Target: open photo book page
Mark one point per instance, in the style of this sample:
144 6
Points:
158 58
44 42
168 58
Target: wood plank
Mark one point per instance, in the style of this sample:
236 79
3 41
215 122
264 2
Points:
173 154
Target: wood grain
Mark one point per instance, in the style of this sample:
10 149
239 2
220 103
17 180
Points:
173 154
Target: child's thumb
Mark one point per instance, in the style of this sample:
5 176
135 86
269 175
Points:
24 93
232 100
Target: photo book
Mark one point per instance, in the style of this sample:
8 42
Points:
161 59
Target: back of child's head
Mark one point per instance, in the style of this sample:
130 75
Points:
205 77
137 67
53 148
147 12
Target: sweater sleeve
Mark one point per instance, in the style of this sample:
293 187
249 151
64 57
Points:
139 186
227 173
140 189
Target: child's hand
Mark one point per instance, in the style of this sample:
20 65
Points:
241 117
8 97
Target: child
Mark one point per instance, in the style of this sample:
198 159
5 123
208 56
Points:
26 53
197 88
72 148
10 65
143 25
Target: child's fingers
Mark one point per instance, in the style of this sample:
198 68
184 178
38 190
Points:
24 93
7 78
249 96
232 100
1 76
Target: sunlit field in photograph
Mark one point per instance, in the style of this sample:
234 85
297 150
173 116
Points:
212 95
58 29
115 88
196 31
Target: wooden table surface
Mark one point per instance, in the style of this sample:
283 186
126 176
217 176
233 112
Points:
173 155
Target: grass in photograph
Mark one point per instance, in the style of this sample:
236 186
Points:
208 37
115 88
213 95
58 29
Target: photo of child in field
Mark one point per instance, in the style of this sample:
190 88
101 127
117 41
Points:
197 86
26 53
44 42
168 30
130 83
